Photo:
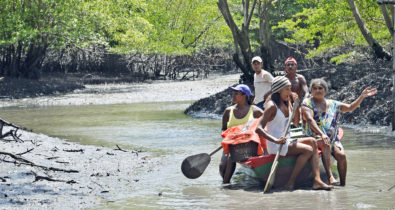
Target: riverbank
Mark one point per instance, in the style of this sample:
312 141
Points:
37 171
126 93
52 84
346 82
104 173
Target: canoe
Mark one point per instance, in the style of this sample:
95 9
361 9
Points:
259 167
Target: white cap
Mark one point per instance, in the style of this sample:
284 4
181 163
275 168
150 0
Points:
256 58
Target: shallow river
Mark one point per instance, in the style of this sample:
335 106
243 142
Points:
162 129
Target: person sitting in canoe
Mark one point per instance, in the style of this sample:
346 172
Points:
321 116
240 113
273 125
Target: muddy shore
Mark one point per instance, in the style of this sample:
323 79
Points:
53 173
57 174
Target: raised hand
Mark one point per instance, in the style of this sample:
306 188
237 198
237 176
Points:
368 92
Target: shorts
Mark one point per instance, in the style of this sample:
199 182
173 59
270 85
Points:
272 147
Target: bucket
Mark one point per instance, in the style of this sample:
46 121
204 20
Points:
241 152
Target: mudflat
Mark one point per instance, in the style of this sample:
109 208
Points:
52 173
38 171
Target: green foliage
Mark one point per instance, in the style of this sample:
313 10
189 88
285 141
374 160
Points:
181 26
329 24
119 22
124 26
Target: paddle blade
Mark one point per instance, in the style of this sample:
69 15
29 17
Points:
193 166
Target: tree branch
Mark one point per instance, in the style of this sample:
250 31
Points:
247 25
27 162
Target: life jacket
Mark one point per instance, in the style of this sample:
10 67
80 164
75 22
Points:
243 134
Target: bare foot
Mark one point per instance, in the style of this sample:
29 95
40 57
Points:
333 181
321 186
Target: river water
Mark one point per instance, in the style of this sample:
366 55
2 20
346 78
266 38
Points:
160 127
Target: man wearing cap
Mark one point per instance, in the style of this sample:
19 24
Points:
299 84
262 81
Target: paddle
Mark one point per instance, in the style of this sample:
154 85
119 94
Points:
193 166
270 180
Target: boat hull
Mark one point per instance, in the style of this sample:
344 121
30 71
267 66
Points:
260 169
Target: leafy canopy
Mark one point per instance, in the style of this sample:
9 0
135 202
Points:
332 24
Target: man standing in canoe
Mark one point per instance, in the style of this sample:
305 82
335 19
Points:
298 82
262 82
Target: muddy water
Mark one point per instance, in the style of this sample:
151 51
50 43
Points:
165 131
150 117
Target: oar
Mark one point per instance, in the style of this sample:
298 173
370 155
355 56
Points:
270 180
193 166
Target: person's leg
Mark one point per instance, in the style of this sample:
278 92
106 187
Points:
314 162
222 165
226 168
303 152
340 157
326 160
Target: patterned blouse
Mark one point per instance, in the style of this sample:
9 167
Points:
327 121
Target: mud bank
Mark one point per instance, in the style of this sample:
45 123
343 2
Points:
44 172
346 82
90 174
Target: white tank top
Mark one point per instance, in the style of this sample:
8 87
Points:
276 128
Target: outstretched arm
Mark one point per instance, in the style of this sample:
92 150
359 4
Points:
355 104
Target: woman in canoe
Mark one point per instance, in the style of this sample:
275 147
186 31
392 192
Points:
321 116
242 112
272 127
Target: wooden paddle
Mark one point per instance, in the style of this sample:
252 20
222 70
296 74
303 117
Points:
193 166
270 180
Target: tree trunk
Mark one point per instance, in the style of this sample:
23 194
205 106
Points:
240 36
377 48
387 19
265 35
